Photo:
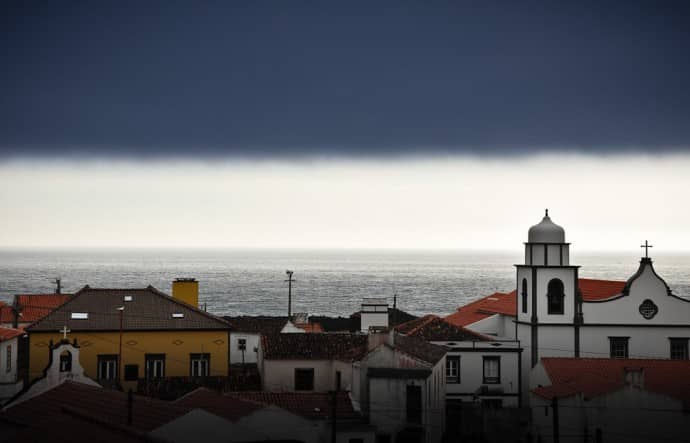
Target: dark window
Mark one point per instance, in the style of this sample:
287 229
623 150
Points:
555 296
356 440
8 365
107 367
155 366
679 348
619 347
199 365
414 404
524 295
241 344
65 361
304 379
338 380
383 438
453 369
131 372
492 370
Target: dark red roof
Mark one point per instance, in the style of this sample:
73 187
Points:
310 405
33 307
101 404
506 302
9 333
496 303
433 328
593 290
297 346
597 376
231 408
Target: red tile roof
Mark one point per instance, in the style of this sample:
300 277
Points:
345 347
310 327
505 303
310 405
433 328
9 333
593 290
597 376
496 303
32 307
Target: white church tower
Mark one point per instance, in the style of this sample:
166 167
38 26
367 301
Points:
548 307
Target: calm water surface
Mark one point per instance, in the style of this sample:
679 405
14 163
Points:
237 282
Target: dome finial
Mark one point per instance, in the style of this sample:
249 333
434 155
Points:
547 213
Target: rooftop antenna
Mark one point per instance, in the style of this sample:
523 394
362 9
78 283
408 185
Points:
58 286
289 280
395 310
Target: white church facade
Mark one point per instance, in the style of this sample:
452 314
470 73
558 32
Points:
555 313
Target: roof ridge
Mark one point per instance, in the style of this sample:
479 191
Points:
181 303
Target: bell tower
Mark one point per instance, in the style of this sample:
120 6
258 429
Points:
547 293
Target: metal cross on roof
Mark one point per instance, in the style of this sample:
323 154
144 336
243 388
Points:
64 331
646 247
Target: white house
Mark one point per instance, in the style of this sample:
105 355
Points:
620 400
479 368
10 378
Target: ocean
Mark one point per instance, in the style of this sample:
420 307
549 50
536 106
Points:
252 282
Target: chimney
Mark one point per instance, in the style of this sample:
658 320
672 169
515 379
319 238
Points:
377 337
186 290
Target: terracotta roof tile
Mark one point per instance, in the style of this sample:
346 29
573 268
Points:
597 376
419 348
345 347
310 405
593 290
434 328
9 333
505 303
149 309
310 327
496 303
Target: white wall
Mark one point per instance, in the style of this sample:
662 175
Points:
625 310
472 371
250 356
279 375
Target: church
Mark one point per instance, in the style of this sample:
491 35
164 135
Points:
554 313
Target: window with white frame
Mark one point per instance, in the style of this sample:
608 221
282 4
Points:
199 364
492 370
679 348
155 366
107 367
453 369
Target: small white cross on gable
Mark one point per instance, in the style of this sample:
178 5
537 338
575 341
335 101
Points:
64 331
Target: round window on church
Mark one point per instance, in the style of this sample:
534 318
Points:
648 309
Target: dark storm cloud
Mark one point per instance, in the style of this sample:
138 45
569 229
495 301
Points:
287 78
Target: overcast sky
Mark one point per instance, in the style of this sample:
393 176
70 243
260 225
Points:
392 125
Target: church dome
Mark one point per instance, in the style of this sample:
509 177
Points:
546 232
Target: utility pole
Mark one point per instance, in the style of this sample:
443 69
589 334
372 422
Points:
119 357
556 430
334 403
58 286
289 280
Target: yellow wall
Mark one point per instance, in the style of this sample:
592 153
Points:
186 290
177 345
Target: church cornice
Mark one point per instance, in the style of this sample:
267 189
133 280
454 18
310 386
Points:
646 261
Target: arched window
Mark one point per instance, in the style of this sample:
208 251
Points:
524 295
555 296
65 361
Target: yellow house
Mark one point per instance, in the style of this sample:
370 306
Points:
130 334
